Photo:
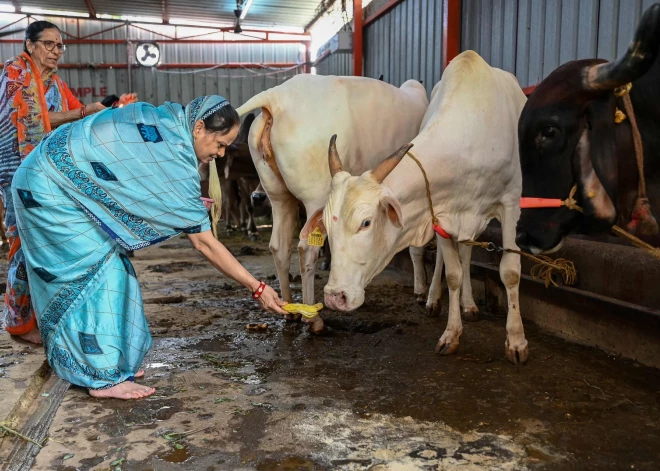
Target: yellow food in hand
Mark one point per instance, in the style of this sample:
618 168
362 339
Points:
306 310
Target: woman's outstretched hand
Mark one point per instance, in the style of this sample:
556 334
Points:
271 302
224 261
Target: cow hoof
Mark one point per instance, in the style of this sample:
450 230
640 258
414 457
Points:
448 343
470 314
325 266
315 325
421 298
433 309
516 354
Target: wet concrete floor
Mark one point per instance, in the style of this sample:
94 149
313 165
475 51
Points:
369 395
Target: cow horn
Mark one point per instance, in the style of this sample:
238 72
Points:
333 157
386 166
635 62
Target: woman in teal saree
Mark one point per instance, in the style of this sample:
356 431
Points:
123 179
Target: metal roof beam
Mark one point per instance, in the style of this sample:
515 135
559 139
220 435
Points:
90 8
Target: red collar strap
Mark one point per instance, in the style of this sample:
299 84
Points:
529 203
525 203
441 232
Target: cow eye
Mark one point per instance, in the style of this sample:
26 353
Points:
365 224
549 132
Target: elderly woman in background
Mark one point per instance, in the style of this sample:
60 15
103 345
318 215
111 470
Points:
121 180
33 101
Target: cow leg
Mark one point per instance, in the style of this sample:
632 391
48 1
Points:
516 347
419 270
308 257
470 309
246 200
285 212
448 343
433 306
252 227
228 202
242 208
327 256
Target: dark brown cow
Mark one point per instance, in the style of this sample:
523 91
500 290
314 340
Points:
238 179
568 136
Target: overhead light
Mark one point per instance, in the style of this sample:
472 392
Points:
246 7
137 19
42 11
7 8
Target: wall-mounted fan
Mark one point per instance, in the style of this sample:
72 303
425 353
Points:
147 54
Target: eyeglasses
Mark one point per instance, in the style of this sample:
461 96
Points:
50 45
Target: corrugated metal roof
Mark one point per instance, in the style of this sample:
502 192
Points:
262 13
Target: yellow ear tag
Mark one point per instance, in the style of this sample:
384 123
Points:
316 238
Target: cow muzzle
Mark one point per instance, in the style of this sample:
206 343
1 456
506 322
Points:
258 199
343 300
522 241
525 243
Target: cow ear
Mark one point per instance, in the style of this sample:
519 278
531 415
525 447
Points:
312 223
393 209
595 163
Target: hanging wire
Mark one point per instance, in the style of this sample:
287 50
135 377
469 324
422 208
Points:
274 71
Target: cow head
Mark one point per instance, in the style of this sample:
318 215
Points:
362 219
567 137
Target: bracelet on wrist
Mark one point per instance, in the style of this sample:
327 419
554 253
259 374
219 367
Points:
83 113
259 291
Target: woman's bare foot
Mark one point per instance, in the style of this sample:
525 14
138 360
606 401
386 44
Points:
34 336
139 374
125 390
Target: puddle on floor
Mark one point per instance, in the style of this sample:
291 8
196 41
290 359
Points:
176 455
292 463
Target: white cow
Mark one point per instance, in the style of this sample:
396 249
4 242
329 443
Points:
468 144
289 141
